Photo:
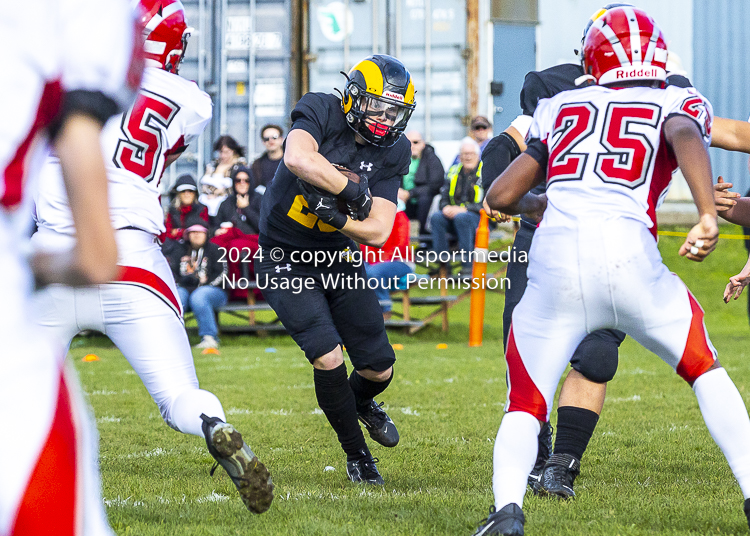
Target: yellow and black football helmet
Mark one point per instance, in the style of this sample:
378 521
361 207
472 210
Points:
378 99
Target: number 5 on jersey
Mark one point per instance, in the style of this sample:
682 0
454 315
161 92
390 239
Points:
143 141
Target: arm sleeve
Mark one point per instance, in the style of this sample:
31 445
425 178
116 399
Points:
101 72
692 104
202 111
497 156
533 90
387 188
310 115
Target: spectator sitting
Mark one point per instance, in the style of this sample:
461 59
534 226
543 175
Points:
199 274
264 168
423 181
238 218
460 202
389 262
216 182
480 131
184 208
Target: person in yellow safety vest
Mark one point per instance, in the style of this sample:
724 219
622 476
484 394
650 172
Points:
460 202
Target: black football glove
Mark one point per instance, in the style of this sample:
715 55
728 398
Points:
323 204
358 198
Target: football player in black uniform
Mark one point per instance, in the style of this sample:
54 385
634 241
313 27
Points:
309 272
595 361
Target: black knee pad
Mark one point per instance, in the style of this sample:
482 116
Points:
597 355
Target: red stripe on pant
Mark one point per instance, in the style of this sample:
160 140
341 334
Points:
49 503
697 357
524 395
132 274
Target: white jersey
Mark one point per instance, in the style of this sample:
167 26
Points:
51 48
168 114
606 155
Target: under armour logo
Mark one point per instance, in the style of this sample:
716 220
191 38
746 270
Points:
288 268
321 204
365 167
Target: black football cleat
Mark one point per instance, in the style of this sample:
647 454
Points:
508 521
747 511
378 424
559 473
251 477
364 471
544 450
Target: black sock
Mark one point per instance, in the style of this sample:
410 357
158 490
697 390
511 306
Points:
574 429
365 390
336 399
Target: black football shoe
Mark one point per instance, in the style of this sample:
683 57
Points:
378 424
544 450
251 477
508 521
747 511
559 473
364 471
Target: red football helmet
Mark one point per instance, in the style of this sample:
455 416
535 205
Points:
625 44
165 33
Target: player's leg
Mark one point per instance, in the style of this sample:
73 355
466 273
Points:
675 331
153 339
580 404
50 475
548 324
307 318
355 313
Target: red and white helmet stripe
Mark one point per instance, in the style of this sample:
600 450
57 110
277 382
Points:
625 44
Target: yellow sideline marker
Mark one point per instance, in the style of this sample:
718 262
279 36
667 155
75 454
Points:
442 346
398 346
88 358
212 351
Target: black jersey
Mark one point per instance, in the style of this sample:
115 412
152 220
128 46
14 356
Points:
285 219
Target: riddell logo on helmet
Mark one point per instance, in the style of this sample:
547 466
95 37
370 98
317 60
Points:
394 96
637 73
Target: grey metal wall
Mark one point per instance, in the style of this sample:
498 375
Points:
429 36
721 71
239 54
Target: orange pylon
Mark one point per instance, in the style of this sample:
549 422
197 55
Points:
478 274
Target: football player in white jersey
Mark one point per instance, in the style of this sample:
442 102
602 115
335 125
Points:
608 152
68 65
140 310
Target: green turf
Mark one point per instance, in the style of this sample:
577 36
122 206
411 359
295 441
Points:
652 467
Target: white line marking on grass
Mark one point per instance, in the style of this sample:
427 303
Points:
317 411
214 498
449 380
639 371
107 418
239 411
102 392
634 398
243 411
409 411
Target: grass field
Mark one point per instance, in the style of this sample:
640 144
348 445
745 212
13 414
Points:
652 467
